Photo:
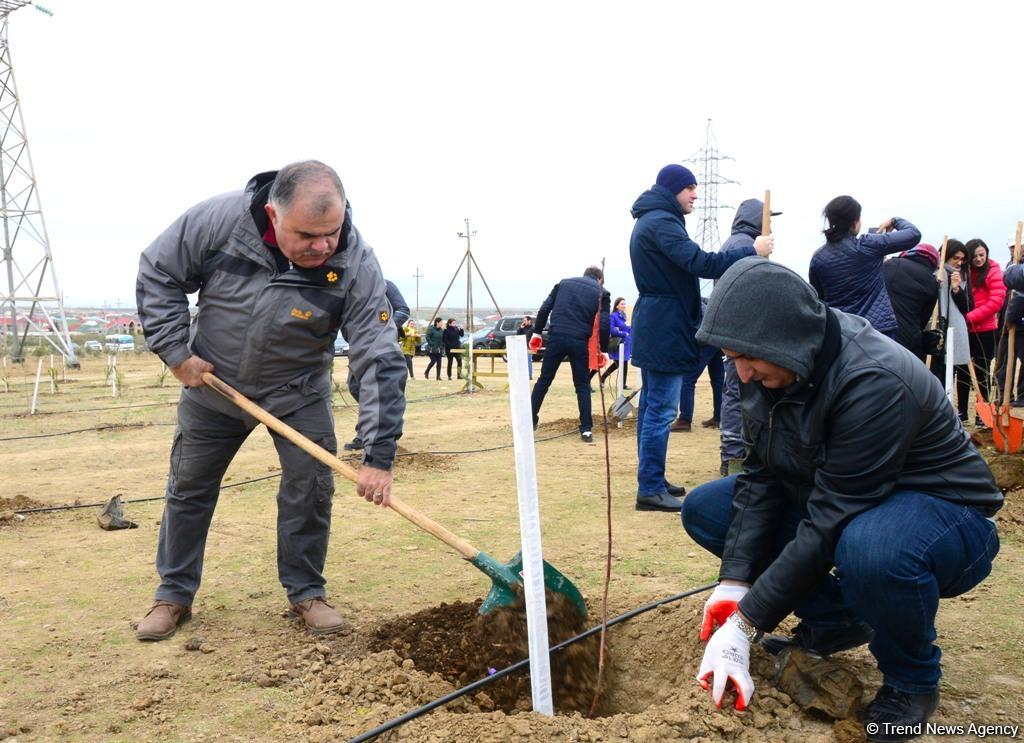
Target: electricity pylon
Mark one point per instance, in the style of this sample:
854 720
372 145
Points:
706 161
33 300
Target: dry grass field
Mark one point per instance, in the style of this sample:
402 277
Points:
71 669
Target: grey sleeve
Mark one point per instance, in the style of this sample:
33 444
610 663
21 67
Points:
375 361
171 268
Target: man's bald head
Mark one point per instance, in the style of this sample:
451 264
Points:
315 184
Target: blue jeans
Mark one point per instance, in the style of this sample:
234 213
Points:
892 565
559 347
659 396
712 359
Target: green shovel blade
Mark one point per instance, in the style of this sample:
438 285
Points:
507 582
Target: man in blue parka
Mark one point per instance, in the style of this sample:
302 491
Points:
667 268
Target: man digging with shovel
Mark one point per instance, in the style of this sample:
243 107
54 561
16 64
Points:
279 268
861 504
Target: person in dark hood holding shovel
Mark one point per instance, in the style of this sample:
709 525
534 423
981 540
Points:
861 504
280 270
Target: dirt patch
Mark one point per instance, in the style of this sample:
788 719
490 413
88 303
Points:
1008 469
413 463
457 642
1010 517
19 502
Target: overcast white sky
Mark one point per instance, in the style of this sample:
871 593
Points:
541 121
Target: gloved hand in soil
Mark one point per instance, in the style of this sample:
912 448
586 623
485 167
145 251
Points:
720 606
727 658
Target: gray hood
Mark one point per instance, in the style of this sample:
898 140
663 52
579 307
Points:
749 218
766 311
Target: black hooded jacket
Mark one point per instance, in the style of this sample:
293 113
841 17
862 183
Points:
864 419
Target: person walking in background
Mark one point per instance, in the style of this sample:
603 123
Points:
953 306
572 306
619 343
667 268
453 346
710 359
986 294
435 342
847 270
526 328
913 292
747 225
410 342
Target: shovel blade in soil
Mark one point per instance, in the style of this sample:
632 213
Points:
507 583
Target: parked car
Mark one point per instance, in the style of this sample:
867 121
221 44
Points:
93 346
340 346
118 343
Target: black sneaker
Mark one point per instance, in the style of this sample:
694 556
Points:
894 714
821 642
659 502
588 437
354 445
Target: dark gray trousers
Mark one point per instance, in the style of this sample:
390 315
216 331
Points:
205 442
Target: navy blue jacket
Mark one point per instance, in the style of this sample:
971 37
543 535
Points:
571 306
847 274
667 268
1013 277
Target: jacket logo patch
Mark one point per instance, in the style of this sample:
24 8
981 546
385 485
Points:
384 315
300 314
332 277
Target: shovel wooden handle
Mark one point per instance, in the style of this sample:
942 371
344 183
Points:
316 451
1010 356
766 214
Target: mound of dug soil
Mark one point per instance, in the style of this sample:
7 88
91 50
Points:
410 462
457 642
650 692
19 502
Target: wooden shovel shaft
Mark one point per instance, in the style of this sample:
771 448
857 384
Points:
1012 334
424 522
766 214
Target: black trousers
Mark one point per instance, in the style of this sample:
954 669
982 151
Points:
457 355
562 347
435 358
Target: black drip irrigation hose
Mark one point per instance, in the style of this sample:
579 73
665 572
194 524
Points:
441 701
105 427
47 509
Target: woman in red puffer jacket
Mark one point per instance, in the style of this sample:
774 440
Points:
985 279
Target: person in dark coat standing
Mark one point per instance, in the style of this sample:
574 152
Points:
435 342
571 307
913 292
746 226
667 268
453 346
847 270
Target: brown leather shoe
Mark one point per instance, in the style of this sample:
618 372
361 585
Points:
710 423
162 620
320 617
679 425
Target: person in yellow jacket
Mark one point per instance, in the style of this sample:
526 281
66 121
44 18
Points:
410 341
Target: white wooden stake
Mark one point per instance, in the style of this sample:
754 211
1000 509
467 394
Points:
529 525
35 389
53 386
622 374
113 377
6 387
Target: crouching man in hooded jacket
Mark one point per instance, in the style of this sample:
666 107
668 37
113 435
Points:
861 504
280 269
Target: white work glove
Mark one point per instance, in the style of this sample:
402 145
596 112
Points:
719 607
727 658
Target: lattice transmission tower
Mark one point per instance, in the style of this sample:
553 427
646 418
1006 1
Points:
32 301
705 162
